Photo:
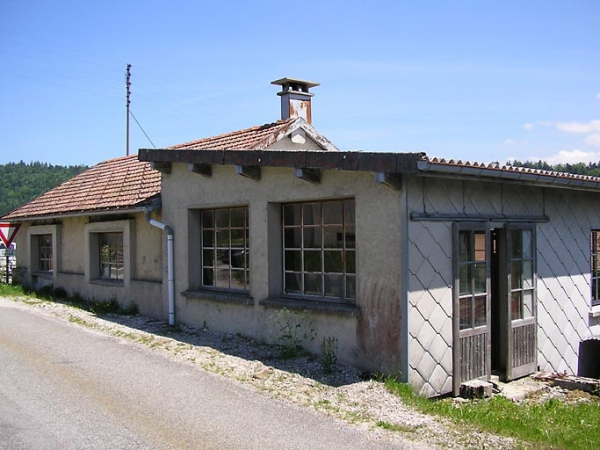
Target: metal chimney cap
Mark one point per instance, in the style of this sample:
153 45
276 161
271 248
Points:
295 84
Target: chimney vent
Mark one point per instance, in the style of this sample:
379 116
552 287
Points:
295 98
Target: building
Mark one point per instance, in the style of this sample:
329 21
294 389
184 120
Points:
438 271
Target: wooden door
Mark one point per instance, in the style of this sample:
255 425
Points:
521 301
471 303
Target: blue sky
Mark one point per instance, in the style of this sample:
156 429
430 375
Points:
471 80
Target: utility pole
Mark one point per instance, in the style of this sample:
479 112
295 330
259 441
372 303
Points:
128 85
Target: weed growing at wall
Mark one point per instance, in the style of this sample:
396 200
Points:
295 327
329 348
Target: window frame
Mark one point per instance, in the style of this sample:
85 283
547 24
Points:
304 263
33 238
45 253
211 236
92 231
595 261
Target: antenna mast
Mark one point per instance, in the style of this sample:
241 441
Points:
128 85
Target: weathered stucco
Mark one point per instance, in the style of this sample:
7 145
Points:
371 340
142 284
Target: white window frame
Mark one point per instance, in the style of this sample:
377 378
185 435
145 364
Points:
92 249
595 267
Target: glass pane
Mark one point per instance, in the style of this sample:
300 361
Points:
208 238
312 237
292 237
515 306
464 246
334 285
333 237
350 287
464 280
208 218
526 240
480 312
332 213
527 304
350 262
595 266
517 244
237 237
311 214
349 212
480 246
222 238
312 284
515 281
208 258
465 313
292 282
208 277
223 278
292 214
479 277
238 217
238 258
527 274
237 279
293 261
333 262
222 218
350 237
222 257
312 261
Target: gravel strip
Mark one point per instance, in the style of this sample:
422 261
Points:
343 394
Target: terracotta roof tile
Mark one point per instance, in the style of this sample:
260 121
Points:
255 138
116 184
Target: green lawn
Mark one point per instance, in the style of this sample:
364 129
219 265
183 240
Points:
552 424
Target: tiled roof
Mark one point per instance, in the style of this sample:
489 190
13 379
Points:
255 138
507 170
113 185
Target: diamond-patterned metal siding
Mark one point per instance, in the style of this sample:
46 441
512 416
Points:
563 271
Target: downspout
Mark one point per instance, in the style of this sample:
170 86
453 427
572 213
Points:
170 260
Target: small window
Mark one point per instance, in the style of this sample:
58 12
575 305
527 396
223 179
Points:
595 266
111 256
225 248
44 244
319 255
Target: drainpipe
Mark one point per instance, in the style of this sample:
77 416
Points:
170 261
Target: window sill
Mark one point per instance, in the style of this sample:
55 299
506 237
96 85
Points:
335 309
595 312
101 282
42 274
220 297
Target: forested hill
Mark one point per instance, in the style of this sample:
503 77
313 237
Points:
21 182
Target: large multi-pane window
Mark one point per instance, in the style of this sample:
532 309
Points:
111 256
472 278
595 266
225 248
44 244
522 289
319 249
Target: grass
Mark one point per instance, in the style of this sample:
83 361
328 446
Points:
552 424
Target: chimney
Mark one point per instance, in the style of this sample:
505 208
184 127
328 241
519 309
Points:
295 98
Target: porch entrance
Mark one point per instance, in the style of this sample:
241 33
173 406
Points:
494 313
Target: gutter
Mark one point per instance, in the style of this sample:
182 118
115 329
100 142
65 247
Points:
170 257
540 179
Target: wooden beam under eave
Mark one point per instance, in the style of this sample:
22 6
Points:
252 172
162 167
202 169
392 180
310 175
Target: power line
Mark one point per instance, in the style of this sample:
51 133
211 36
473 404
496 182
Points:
147 137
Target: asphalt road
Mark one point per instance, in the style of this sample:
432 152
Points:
65 387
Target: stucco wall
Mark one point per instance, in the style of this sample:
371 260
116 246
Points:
143 282
563 270
372 339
